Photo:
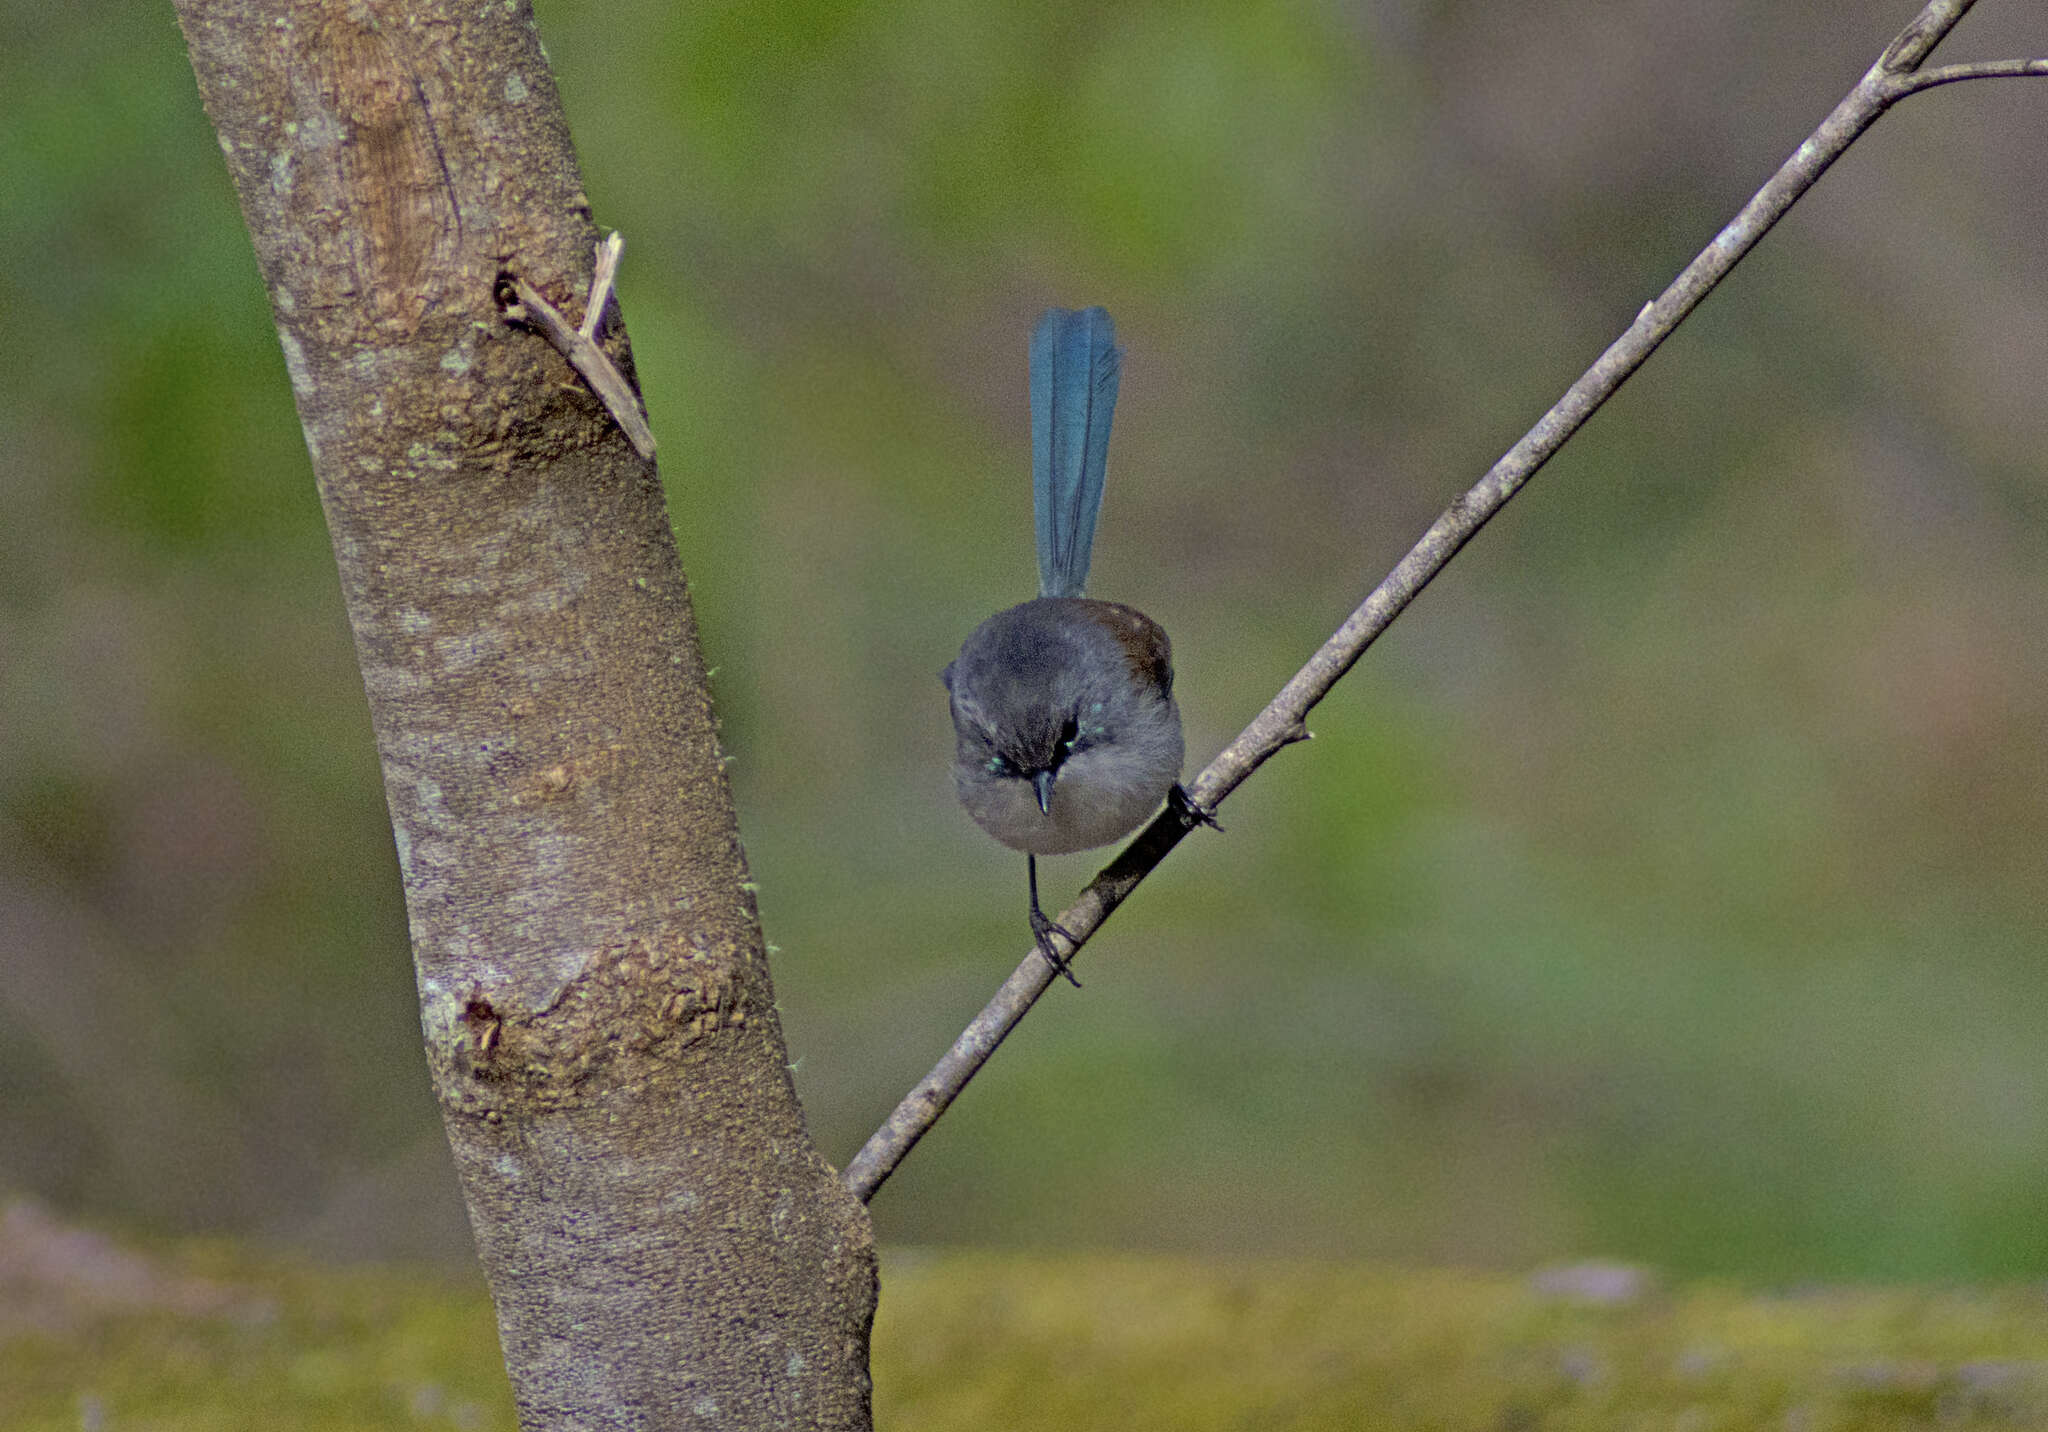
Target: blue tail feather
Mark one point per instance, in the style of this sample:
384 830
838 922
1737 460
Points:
1074 368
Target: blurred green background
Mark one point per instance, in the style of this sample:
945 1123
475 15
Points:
1668 884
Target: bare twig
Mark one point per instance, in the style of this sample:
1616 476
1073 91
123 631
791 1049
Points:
1903 85
580 346
1895 75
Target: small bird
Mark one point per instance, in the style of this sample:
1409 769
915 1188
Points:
1066 732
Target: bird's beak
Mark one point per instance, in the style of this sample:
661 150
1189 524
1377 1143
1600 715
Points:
1042 783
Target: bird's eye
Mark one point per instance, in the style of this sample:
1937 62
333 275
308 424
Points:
1069 734
997 766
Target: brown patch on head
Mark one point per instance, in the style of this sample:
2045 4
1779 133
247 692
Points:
1143 642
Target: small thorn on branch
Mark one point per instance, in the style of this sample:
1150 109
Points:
580 346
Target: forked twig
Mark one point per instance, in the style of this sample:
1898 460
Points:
1896 75
580 346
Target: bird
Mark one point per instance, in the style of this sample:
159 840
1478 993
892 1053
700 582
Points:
1066 734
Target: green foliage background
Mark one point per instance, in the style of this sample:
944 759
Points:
1668 885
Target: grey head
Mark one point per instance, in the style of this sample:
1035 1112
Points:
1066 734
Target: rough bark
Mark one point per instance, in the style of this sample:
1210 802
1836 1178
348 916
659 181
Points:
664 1245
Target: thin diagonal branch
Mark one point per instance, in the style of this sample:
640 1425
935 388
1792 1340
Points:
1892 78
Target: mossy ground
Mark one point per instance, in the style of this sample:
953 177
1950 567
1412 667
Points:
1139 1343
223 1340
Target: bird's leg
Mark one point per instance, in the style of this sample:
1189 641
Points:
1043 929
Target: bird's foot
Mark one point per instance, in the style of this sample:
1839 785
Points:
1043 928
1191 815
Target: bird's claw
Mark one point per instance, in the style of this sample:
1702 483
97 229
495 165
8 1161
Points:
1191 815
1043 928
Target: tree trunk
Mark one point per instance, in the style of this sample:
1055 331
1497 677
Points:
664 1244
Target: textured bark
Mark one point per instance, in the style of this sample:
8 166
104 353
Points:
664 1244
